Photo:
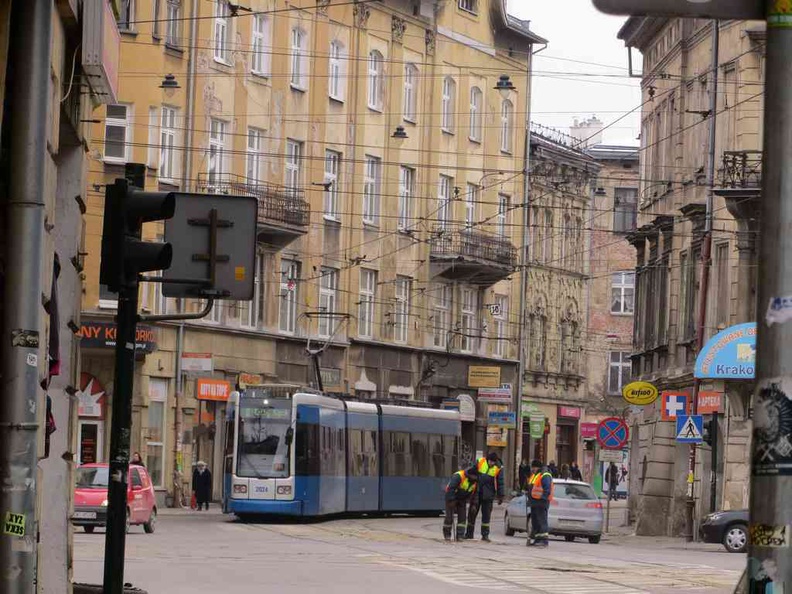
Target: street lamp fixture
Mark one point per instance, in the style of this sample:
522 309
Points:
504 86
399 134
169 84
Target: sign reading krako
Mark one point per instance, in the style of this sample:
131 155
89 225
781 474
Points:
103 335
639 393
730 354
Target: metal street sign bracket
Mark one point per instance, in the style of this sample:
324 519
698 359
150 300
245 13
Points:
179 317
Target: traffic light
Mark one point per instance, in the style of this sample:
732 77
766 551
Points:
708 433
124 254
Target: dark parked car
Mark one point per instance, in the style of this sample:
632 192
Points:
729 528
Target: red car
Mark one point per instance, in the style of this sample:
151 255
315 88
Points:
90 498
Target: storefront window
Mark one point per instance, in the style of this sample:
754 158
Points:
155 447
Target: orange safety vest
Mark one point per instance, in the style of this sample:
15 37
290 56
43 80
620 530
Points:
536 485
465 484
484 467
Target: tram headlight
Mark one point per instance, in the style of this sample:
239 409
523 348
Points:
240 489
284 490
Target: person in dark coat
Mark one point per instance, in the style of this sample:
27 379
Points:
574 472
202 485
539 497
612 476
137 460
553 469
524 472
565 472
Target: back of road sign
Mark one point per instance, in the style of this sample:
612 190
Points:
689 428
708 9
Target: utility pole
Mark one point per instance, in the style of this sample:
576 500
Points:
771 469
28 101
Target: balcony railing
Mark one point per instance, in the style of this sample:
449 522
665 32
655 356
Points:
276 204
741 169
478 256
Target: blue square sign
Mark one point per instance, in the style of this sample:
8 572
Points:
689 428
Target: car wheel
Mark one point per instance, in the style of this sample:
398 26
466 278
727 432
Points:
150 525
89 529
736 538
569 538
594 539
507 529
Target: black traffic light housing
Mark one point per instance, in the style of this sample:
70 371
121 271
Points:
124 254
707 433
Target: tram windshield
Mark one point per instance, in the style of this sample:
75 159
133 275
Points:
265 437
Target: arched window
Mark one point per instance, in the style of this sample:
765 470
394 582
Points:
447 111
410 92
507 126
375 80
476 113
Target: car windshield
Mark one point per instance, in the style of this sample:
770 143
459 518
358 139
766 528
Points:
94 477
571 491
264 437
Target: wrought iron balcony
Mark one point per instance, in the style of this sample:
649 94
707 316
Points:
472 256
741 169
283 213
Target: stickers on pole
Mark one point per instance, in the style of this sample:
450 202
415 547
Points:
774 537
14 524
772 442
639 393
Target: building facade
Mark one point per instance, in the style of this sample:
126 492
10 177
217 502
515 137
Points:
677 85
394 255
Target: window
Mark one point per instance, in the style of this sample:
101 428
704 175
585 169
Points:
401 318
254 156
154 146
336 69
476 114
469 6
625 209
406 184
167 163
441 314
507 124
565 232
328 292
217 138
173 23
375 84
289 289
118 132
619 371
471 204
447 107
155 25
136 480
371 190
723 289
252 313
222 13
299 65
547 244
410 92
332 167
155 446
501 315
293 164
444 201
368 291
126 15
261 45
503 215
469 311
623 292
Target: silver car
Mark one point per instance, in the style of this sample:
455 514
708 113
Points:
574 511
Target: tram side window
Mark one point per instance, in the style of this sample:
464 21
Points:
356 453
370 448
340 452
420 454
397 454
307 449
436 452
450 454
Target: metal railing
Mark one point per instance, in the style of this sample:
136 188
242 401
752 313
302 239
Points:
741 169
275 203
476 245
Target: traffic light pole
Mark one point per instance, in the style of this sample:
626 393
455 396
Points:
769 560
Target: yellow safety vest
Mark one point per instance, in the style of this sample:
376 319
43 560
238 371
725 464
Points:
484 467
536 485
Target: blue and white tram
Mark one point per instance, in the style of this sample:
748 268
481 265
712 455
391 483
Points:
296 453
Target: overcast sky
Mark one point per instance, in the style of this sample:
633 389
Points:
563 89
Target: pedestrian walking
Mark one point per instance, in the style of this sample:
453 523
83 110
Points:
137 460
613 481
460 488
539 496
574 472
553 469
202 485
489 489
566 474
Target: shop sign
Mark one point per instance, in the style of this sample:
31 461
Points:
505 419
710 403
197 362
102 335
570 412
529 408
498 395
249 379
536 424
467 408
497 437
639 393
331 378
484 376
730 354
588 430
91 397
212 389
450 404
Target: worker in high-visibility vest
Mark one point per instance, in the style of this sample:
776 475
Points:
458 492
539 494
490 488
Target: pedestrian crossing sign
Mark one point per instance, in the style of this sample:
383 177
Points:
689 428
